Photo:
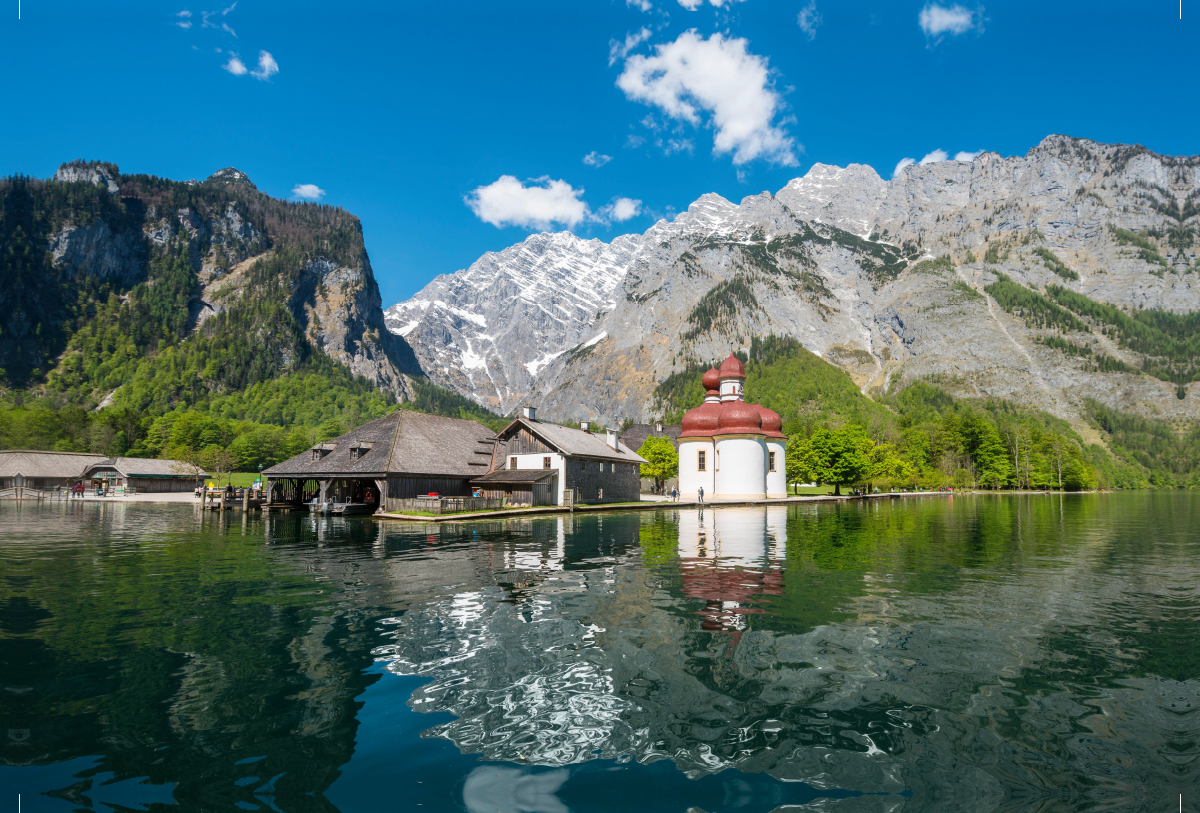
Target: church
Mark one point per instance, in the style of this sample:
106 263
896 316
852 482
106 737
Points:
731 449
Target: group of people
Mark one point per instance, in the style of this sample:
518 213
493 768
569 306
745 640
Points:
79 489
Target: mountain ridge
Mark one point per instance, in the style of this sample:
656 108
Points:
847 263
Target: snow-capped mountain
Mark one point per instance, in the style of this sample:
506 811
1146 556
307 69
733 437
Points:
488 331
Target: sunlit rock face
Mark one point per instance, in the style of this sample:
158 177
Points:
834 259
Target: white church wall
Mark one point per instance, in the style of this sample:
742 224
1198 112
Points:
690 477
741 463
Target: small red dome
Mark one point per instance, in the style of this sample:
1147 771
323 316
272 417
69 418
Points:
711 380
772 424
732 368
701 422
738 417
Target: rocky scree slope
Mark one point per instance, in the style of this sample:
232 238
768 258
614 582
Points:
1062 275
261 286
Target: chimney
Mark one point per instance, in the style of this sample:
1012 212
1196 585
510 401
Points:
658 427
584 426
529 412
612 437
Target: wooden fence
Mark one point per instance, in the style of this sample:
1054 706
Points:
445 505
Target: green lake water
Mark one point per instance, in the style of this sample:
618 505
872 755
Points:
981 653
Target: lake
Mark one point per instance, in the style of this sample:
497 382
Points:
970 653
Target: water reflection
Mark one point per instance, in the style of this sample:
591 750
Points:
986 654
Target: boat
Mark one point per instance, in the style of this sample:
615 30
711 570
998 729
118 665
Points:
349 508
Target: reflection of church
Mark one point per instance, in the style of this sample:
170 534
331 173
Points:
729 557
731 449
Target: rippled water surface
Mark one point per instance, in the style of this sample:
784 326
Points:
969 654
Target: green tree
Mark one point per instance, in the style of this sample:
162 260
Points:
839 457
662 460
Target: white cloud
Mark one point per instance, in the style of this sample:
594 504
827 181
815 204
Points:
721 77
307 191
675 145
267 67
508 202
692 5
206 19
809 19
236 66
184 13
595 159
632 142
937 21
934 157
620 210
185 24
643 5
618 50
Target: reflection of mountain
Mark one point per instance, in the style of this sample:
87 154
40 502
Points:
959 648
975 653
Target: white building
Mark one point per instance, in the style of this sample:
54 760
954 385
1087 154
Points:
731 449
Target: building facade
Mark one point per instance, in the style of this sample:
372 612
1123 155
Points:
142 475
731 449
595 468
398 457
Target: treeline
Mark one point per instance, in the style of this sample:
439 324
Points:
921 436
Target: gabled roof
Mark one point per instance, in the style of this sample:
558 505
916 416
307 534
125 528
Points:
45 464
636 434
147 467
517 476
573 442
405 442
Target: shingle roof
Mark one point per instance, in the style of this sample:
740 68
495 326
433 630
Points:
516 476
405 442
575 442
45 464
148 467
636 434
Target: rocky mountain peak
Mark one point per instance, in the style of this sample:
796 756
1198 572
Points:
94 172
230 175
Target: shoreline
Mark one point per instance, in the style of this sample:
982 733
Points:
653 504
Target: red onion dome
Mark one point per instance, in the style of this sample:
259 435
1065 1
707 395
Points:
732 368
701 422
772 424
711 380
740 418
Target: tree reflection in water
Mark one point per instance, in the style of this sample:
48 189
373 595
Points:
1009 653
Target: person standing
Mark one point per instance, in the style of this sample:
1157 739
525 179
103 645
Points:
700 495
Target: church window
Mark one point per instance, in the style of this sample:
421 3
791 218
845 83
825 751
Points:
701 461
771 461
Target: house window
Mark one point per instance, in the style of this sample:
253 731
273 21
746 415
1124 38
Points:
356 453
701 461
600 491
770 461
545 462
512 462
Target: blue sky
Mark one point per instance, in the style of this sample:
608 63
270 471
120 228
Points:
433 121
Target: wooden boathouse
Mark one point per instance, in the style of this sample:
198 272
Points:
396 458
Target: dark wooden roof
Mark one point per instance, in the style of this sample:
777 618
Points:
573 442
405 442
147 467
516 476
636 435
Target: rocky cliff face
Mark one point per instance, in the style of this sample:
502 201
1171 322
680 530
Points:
242 248
848 263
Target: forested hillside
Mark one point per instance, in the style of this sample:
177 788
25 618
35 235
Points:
942 440
139 315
